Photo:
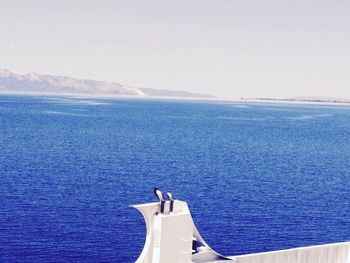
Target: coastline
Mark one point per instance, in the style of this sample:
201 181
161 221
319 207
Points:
193 99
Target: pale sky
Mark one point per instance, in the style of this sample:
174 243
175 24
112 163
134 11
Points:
228 48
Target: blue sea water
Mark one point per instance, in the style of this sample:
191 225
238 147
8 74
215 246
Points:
257 177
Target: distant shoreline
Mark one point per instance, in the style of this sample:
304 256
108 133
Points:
296 101
234 100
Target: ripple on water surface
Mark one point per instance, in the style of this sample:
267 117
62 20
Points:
257 177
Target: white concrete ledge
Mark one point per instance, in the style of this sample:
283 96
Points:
331 253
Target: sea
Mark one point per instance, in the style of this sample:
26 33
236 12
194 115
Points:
256 176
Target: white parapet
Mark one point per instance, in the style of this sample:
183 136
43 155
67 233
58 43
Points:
172 237
330 253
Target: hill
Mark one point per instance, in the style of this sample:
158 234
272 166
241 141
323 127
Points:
49 84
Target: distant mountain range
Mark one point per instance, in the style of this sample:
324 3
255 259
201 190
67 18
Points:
48 84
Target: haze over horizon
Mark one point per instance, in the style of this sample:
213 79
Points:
228 48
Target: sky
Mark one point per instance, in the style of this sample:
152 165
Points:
227 48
